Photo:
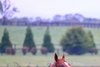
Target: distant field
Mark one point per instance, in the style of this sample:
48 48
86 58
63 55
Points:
42 60
17 34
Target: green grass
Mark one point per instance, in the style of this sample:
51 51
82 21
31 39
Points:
42 60
24 60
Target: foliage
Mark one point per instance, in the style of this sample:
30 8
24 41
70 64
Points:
77 41
25 50
1 7
28 41
6 10
44 50
5 42
10 51
33 51
47 41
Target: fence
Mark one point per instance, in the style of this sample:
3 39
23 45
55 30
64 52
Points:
58 51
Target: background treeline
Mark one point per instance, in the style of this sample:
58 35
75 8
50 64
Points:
57 20
75 41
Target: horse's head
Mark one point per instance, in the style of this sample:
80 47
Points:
60 62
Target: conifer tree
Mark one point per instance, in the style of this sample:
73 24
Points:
28 41
47 41
5 42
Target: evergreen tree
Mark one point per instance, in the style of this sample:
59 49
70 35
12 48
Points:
5 42
91 40
47 41
77 41
28 41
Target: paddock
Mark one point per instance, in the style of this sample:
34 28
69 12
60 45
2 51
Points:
40 60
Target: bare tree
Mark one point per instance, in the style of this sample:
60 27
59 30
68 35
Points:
6 10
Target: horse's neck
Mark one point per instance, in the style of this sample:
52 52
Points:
52 65
67 64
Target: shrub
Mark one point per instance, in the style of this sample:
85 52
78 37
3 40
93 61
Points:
10 51
25 50
44 50
77 41
33 51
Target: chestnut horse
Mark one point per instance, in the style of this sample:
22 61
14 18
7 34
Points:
60 62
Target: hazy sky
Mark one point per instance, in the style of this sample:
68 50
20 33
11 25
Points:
48 8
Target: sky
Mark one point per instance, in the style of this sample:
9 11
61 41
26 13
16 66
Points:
49 8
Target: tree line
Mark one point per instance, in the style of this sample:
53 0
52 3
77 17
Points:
26 22
76 41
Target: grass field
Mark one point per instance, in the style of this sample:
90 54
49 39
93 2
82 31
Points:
17 34
42 60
